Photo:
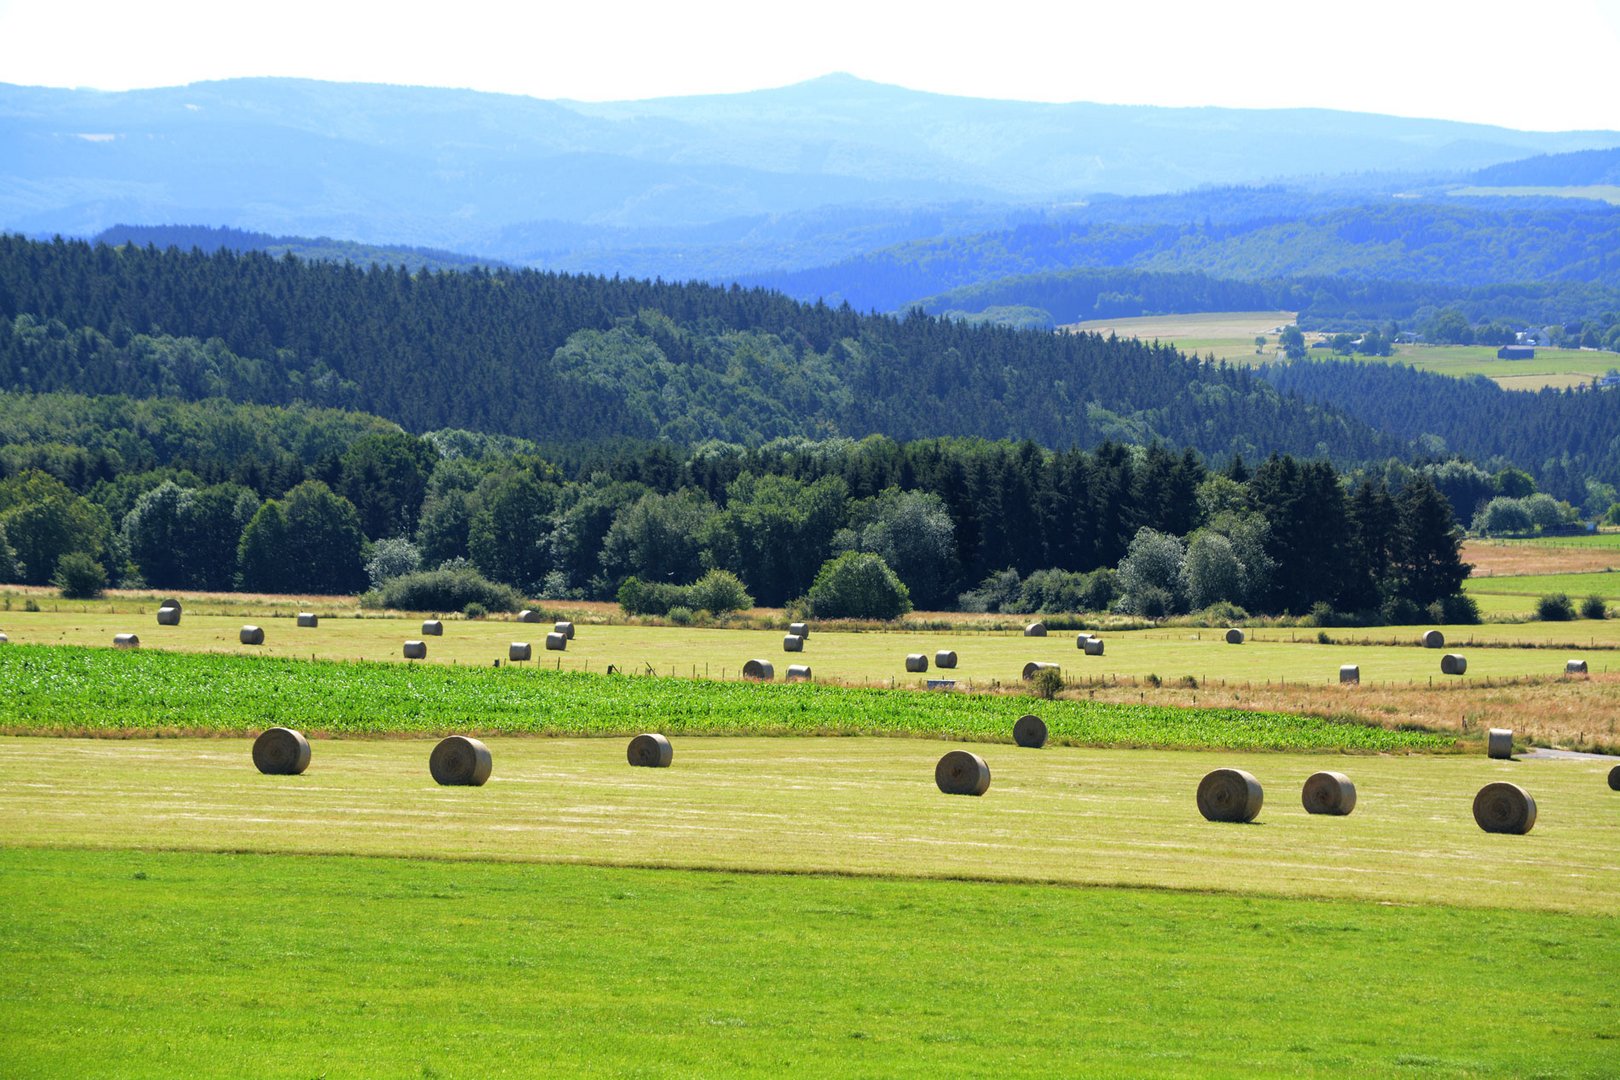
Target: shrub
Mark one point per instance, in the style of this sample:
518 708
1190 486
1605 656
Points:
680 616
1149 601
1555 608
639 597
998 592
718 591
1454 609
475 610
1322 614
858 585
443 590
1399 611
79 576
1047 683
1593 607
1223 613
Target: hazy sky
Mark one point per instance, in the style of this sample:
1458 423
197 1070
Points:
1550 65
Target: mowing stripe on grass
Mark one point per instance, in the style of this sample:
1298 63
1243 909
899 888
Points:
60 690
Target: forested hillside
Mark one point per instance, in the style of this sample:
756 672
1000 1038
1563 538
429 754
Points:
1450 244
208 238
1070 296
1561 436
558 358
1554 170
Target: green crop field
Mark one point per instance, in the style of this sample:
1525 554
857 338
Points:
246 965
55 690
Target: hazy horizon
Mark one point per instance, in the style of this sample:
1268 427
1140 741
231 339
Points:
1390 58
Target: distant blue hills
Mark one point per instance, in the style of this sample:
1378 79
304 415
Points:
795 177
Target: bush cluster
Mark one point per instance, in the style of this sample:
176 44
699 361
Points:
443 590
718 592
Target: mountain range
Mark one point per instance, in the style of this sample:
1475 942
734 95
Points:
798 176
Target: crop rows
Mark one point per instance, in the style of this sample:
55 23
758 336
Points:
57 689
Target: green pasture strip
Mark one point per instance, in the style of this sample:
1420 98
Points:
845 805
49 689
1576 586
141 964
1574 540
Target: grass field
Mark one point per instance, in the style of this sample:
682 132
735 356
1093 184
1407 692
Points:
244 965
848 806
1229 335
1609 193
1517 594
768 906
1226 335
985 658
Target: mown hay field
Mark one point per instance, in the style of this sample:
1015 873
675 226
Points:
985 658
845 806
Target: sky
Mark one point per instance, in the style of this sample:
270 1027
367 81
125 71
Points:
1546 66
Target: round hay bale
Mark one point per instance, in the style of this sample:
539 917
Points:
962 773
1453 664
761 670
281 751
168 616
416 650
793 643
1614 778
1229 795
528 615
126 641
432 628
1035 629
309 619
1504 808
556 642
1433 639
519 650
1033 666
945 658
1234 636
170 602
916 662
799 629
460 762
251 635
650 751
1093 646
1499 743
1329 793
3 639
1029 730
1350 674
565 628
798 673
1575 667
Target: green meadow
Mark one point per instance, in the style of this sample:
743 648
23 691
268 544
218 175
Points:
239 965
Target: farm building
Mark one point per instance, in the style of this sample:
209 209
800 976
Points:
1516 352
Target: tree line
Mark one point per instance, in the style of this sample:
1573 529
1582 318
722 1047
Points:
356 502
